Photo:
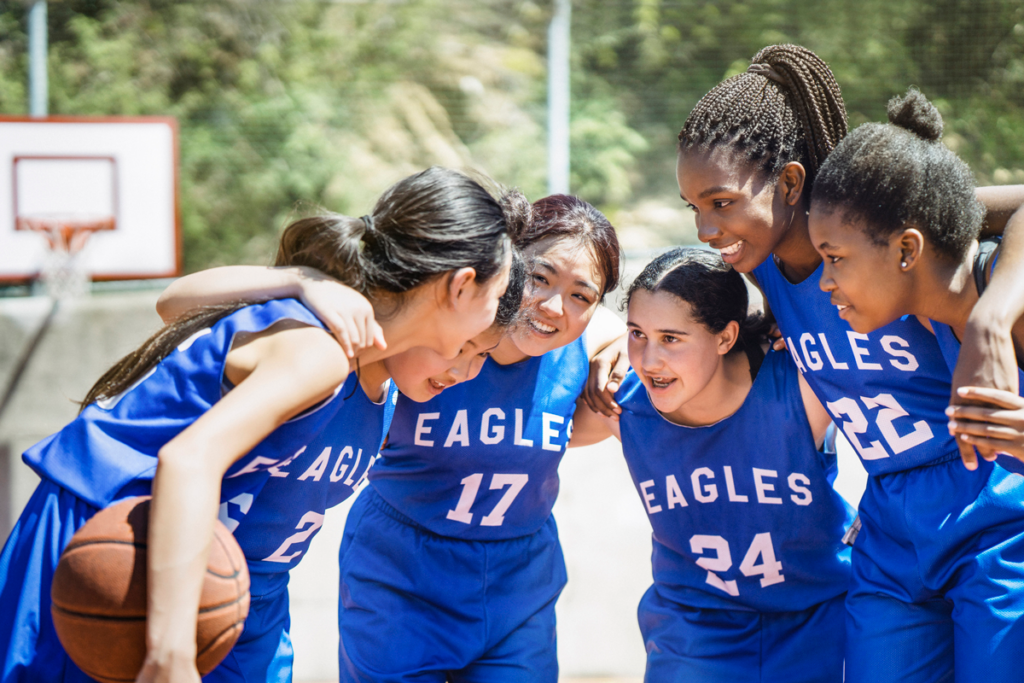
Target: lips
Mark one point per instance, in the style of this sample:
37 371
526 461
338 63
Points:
541 327
659 383
843 309
436 387
731 253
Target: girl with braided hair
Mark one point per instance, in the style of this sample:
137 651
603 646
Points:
749 154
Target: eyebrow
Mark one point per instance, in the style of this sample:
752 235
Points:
678 333
826 245
582 283
713 190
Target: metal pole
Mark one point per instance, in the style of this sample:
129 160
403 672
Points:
38 87
558 97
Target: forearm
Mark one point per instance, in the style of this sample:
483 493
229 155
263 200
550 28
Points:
184 509
228 284
1003 301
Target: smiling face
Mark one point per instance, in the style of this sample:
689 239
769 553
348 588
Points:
866 280
421 374
737 210
563 291
674 356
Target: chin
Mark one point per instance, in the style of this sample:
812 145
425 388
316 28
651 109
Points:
532 345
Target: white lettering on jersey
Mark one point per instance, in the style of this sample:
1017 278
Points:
422 430
255 465
707 493
276 470
762 487
795 354
828 353
338 473
486 435
459 431
910 364
720 563
315 520
471 486
796 488
730 486
860 353
813 358
519 440
547 433
674 493
648 496
892 410
319 466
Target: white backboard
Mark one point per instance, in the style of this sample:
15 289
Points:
116 177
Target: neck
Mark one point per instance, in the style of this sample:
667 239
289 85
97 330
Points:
795 252
403 329
946 293
507 352
371 378
721 396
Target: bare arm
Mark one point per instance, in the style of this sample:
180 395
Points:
589 427
345 312
817 418
289 371
987 356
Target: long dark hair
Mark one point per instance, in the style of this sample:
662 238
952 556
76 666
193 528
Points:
422 227
566 217
716 293
786 107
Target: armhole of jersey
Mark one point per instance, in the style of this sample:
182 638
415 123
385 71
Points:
985 262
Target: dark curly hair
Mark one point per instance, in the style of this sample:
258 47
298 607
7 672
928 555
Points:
716 293
786 107
899 174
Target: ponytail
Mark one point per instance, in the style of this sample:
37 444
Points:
424 226
716 293
786 107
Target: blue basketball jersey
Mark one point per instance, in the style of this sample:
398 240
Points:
109 451
480 461
743 510
887 390
950 346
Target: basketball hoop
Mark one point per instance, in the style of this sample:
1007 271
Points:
63 271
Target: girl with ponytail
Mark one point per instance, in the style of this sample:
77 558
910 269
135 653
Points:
223 414
749 158
721 440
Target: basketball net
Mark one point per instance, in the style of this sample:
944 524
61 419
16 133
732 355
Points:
63 271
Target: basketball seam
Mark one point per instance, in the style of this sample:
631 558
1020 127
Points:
143 546
213 641
106 617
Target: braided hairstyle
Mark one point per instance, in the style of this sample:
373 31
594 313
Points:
898 174
716 294
786 107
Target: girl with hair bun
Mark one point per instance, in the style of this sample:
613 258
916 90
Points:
749 156
450 563
216 415
721 440
895 218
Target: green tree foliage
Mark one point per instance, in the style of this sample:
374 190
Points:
311 103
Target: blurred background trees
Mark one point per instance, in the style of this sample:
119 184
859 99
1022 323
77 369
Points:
284 106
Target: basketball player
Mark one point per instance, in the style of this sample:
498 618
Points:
215 407
750 571
895 219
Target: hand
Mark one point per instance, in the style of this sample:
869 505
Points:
174 670
778 341
987 360
996 426
345 312
607 370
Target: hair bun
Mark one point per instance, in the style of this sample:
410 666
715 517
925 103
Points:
518 213
915 113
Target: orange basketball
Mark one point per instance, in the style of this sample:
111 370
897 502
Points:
99 595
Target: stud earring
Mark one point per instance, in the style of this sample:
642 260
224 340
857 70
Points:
903 264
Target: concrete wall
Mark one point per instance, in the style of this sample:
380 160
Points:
604 532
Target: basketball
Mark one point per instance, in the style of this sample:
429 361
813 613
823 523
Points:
99 595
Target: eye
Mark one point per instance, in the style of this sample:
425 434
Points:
636 334
833 259
537 277
484 354
668 339
722 203
691 207
582 297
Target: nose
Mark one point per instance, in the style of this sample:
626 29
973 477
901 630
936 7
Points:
552 306
826 283
706 229
650 359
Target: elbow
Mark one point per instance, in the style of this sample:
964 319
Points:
164 309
